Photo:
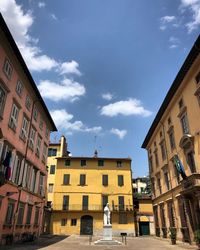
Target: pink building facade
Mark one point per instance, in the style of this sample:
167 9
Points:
25 126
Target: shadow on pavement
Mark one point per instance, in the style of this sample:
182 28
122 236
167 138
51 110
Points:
43 241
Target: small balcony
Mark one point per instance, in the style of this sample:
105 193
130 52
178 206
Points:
191 183
92 207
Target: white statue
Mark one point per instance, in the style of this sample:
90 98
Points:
106 216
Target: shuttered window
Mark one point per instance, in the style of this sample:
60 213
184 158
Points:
66 179
65 202
105 180
85 202
82 179
120 180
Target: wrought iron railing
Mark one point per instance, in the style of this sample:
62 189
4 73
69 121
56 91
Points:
90 207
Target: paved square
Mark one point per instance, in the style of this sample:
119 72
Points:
82 243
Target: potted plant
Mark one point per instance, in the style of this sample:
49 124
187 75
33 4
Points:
197 237
172 235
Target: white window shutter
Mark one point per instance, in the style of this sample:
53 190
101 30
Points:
24 175
37 181
14 168
21 172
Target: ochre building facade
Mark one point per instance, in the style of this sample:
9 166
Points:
173 145
80 187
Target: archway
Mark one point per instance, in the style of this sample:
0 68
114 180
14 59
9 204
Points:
86 225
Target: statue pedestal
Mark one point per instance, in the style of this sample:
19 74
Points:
107 232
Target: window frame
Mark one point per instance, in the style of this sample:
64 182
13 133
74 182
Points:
7 68
19 88
14 115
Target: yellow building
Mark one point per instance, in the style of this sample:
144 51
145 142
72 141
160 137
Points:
173 145
80 187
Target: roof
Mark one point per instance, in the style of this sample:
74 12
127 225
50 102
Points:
17 53
93 158
194 52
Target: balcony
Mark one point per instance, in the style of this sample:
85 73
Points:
191 183
80 207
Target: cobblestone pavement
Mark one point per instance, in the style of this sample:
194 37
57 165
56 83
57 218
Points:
82 243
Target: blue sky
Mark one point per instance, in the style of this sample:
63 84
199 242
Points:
104 66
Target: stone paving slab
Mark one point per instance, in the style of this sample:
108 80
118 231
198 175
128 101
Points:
75 242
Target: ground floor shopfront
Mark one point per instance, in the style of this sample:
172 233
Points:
90 223
180 209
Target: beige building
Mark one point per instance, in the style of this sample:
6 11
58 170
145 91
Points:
173 145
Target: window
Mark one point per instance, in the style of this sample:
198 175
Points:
65 202
167 180
156 158
50 189
119 164
73 222
150 164
7 68
191 162
121 202
83 162
100 163
105 180
52 152
2 99
18 170
41 124
63 222
67 163
184 124
35 114
163 150
33 179
82 179
172 140
159 185
44 155
171 214
37 210
122 218
52 169
32 138
85 202
20 214
19 88
104 200
41 185
39 139
120 180
29 213
162 216
24 130
14 117
28 102
66 179
161 134
9 214
197 78
169 121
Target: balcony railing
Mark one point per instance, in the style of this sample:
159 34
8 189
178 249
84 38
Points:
92 207
191 181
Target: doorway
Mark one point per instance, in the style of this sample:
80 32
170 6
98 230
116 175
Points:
86 225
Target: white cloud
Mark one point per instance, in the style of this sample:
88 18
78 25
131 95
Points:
41 4
69 68
126 108
54 17
173 46
167 19
63 121
107 96
66 90
194 7
174 42
119 133
19 23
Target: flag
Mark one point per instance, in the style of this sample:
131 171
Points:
179 166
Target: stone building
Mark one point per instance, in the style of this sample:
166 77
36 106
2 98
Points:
25 126
173 145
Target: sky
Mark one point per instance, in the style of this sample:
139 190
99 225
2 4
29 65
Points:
104 67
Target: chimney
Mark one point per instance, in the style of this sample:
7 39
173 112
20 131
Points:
63 146
95 154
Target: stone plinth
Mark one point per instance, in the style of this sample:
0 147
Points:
107 232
